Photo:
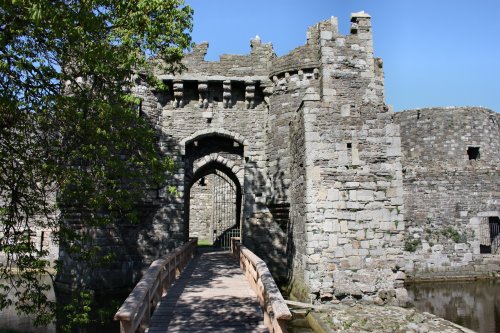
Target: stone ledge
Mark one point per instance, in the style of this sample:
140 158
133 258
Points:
372 318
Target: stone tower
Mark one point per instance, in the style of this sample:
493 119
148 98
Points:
346 192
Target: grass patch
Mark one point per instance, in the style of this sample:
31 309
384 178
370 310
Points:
201 243
454 235
411 245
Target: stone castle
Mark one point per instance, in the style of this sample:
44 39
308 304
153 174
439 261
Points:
301 157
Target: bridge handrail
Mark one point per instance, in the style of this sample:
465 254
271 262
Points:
135 313
276 312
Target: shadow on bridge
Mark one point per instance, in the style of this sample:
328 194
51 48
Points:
211 294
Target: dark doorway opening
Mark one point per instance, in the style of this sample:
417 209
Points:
490 236
213 192
213 210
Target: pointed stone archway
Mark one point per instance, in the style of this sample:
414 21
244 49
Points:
215 201
213 178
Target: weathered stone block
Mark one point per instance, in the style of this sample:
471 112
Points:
343 226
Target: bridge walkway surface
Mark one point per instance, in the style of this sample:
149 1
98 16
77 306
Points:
211 295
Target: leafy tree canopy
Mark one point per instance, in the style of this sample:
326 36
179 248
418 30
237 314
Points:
70 134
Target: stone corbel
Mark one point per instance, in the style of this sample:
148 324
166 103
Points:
178 86
226 94
267 90
203 92
316 73
249 94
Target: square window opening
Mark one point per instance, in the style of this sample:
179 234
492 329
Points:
473 153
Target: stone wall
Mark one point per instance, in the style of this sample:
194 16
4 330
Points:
283 104
296 242
292 75
201 209
42 239
449 192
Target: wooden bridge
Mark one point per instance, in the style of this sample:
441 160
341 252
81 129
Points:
209 291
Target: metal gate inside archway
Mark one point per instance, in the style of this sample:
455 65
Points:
213 210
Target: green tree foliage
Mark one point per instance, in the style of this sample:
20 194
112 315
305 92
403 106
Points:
72 142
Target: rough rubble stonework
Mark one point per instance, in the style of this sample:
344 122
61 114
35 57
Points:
371 318
342 197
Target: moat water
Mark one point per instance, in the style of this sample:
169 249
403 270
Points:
472 304
10 319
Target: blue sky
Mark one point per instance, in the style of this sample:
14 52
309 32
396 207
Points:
435 52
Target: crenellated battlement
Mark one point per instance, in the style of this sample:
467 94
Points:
262 60
328 57
360 23
256 63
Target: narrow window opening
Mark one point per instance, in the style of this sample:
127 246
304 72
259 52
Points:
209 120
473 153
349 145
202 182
418 115
42 236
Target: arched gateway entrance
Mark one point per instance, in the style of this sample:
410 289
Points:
215 207
214 168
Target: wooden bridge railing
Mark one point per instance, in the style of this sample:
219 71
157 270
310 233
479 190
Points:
135 313
276 312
